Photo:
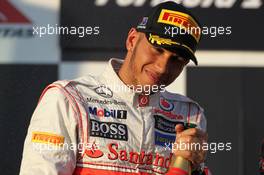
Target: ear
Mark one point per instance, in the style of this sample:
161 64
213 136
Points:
131 40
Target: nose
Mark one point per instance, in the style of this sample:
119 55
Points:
161 63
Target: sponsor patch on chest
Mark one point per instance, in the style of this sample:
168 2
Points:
109 130
165 133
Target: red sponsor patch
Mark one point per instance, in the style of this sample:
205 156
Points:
142 158
168 114
94 152
143 100
181 20
166 104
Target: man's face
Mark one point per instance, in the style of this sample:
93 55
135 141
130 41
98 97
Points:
150 65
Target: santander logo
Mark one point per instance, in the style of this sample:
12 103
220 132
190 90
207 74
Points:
142 158
94 152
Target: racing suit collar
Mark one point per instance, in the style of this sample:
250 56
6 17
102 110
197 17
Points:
112 80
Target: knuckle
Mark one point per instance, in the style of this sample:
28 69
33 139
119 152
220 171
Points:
194 131
189 139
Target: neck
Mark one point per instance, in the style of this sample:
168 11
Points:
124 74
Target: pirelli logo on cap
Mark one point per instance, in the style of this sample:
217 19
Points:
47 138
181 20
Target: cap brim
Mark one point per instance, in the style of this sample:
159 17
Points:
176 48
182 51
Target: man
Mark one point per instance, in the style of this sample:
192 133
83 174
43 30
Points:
92 126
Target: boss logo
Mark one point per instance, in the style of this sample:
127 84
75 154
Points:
110 130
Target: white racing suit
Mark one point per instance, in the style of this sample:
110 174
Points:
90 126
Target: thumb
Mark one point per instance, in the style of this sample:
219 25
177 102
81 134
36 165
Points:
179 128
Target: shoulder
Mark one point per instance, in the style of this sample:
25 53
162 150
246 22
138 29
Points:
72 86
85 81
184 107
180 98
66 90
193 112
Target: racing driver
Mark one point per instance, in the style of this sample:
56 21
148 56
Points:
93 125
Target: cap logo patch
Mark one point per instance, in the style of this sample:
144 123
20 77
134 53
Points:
161 41
181 20
143 23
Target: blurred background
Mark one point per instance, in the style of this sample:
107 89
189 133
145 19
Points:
228 83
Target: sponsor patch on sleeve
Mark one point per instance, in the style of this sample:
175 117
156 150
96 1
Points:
47 138
164 140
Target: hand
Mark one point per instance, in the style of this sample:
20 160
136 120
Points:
186 144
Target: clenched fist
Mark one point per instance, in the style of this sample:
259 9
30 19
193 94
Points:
189 143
